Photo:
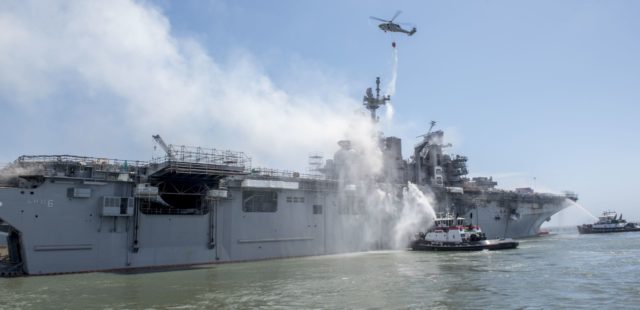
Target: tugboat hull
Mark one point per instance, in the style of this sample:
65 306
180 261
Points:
590 230
491 245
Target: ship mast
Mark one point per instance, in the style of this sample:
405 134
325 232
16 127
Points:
372 103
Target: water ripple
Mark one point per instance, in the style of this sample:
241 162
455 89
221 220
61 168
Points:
561 271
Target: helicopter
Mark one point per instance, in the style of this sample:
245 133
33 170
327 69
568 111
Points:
389 25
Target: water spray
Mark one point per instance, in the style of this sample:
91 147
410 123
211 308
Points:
583 209
391 87
417 214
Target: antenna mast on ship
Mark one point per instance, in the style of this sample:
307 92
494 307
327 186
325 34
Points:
372 103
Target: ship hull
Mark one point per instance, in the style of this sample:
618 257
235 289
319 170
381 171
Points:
50 232
499 222
491 245
587 230
502 214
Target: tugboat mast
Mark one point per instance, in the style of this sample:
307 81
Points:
372 103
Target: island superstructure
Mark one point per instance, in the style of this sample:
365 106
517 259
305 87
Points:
65 213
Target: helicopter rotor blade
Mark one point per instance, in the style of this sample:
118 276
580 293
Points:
394 16
379 19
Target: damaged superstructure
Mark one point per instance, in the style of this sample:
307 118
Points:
501 213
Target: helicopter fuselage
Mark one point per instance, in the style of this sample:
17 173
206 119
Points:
392 27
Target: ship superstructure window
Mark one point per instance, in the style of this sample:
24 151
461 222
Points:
259 201
295 199
317 209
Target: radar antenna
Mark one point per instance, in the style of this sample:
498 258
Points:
372 103
164 146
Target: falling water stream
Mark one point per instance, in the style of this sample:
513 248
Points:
391 86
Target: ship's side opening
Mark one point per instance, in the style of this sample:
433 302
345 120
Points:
179 197
11 257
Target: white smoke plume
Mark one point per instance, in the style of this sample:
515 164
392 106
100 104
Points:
9 174
96 63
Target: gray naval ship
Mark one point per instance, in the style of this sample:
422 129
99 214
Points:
63 213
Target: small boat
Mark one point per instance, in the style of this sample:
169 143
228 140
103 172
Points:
608 222
543 232
451 234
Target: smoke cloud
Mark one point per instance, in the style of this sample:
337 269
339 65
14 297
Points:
95 63
9 174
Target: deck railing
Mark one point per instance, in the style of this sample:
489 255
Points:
199 155
266 172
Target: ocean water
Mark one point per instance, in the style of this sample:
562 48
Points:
559 271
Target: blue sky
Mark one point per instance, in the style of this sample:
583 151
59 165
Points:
526 89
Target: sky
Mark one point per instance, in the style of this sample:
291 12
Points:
539 94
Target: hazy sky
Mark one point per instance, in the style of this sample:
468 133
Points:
535 93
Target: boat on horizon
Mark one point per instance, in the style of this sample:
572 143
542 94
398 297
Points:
608 222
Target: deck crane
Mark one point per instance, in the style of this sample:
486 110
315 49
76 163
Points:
433 123
422 147
164 146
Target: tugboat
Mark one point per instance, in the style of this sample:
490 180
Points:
608 222
451 234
